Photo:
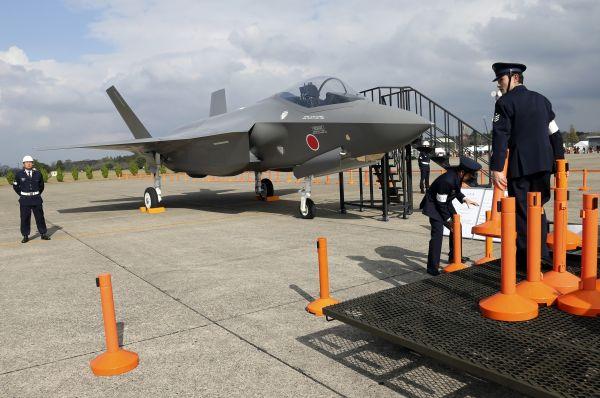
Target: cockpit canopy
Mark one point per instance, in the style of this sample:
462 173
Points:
320 91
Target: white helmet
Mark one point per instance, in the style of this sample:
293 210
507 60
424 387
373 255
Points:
27 159
425 143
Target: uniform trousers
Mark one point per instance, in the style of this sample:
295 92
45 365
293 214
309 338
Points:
518 187
424 181
435 244
38 213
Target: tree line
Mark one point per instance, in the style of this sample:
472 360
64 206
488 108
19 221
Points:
133 163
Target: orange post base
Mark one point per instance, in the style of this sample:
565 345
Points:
538 291
114 363
454 267
485 259
581 302
564 282
316 307
508 307
573 240
488 228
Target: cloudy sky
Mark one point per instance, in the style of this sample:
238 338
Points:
165 57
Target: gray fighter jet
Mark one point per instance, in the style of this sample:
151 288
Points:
318 127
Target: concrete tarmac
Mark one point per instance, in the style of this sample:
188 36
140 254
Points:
210 294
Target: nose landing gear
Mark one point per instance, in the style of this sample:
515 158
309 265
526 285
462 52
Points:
307 209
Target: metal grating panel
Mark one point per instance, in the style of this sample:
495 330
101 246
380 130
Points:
556 354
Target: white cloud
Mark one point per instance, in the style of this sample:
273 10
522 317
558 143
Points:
14 56
169 56
42 123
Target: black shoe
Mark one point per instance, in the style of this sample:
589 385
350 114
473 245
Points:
462 260
434 272
25 239
45 237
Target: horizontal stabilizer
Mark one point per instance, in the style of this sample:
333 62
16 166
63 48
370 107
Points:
131 120
218 103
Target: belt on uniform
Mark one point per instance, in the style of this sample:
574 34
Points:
424 162
29 193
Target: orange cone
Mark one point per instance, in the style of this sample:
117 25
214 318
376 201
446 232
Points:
457 263
508 305
492 226
115 360
489 245
324 300
533 287
559 278
586 301
573 241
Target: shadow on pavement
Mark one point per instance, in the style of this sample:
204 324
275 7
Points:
51 231
395 272
303 293
219 201
397 368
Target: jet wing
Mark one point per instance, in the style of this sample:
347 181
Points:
161 145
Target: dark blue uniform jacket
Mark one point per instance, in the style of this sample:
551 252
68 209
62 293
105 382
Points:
520 123
437 202
24 183
424 160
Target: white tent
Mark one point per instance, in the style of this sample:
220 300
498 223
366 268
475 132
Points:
582 145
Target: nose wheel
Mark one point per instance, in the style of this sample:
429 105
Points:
307 209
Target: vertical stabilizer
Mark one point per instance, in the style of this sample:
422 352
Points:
131 120
218 103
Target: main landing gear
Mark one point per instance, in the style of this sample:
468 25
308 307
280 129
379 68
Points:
153 195
307 208
263 187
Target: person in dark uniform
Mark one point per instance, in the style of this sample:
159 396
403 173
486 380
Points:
524 124
29 185
424 159
437 205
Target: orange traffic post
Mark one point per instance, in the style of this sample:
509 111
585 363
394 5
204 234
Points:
586 301
584 186
489 245
508 305
457 263
573 241
115 360
533 287
559 278
324 300
492 226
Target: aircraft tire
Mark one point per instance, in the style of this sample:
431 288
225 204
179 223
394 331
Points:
150 198
267 187
311 210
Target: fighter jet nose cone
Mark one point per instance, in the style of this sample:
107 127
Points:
388 128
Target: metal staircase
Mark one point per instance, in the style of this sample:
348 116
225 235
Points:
455 136
448 131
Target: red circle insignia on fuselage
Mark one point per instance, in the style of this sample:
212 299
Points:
312 142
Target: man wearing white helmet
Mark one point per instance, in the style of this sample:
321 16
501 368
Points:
424 160
29 185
